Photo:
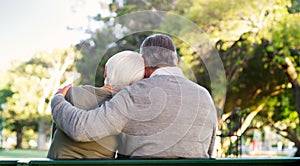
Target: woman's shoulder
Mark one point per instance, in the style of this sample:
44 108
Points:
87 96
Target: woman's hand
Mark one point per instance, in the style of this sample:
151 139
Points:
63 91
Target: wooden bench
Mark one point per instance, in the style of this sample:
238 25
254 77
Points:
293 161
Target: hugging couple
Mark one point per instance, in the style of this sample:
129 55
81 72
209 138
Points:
146 109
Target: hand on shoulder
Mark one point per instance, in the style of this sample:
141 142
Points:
63 91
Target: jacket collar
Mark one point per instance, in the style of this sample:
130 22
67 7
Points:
174 71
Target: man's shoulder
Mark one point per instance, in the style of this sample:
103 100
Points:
163 80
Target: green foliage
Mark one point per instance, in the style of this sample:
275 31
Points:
30 87
282 108
295 6
4 94
5 90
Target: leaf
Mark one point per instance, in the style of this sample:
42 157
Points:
270 49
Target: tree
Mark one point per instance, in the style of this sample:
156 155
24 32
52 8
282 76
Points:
259 46
33 84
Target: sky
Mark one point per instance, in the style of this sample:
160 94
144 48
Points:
29 26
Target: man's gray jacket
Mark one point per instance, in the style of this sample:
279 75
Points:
164 116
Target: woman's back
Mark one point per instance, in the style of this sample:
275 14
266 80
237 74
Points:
63 147
121 70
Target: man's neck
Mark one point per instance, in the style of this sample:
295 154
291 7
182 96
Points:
174 71
150 70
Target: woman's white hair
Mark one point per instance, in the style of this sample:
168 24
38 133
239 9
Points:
123 69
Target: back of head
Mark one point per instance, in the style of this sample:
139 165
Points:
123 69
158 50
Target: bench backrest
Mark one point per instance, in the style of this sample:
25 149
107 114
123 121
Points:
295 161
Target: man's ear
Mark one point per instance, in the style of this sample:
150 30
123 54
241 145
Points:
147 72
146 75
104 74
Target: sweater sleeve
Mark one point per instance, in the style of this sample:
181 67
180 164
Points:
85 126
214 131
212 143
82 98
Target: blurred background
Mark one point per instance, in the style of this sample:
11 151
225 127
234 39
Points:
45 44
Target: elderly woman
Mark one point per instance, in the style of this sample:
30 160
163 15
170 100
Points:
121 70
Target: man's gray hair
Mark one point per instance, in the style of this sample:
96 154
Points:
159 50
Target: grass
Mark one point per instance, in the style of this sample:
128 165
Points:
22 153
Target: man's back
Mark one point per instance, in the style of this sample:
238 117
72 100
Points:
171 117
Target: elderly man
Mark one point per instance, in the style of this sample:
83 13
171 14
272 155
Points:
162 116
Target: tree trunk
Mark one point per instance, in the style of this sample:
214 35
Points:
293 76
49 89
242 129
291 135
19 131
297 144
42 139
297 93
